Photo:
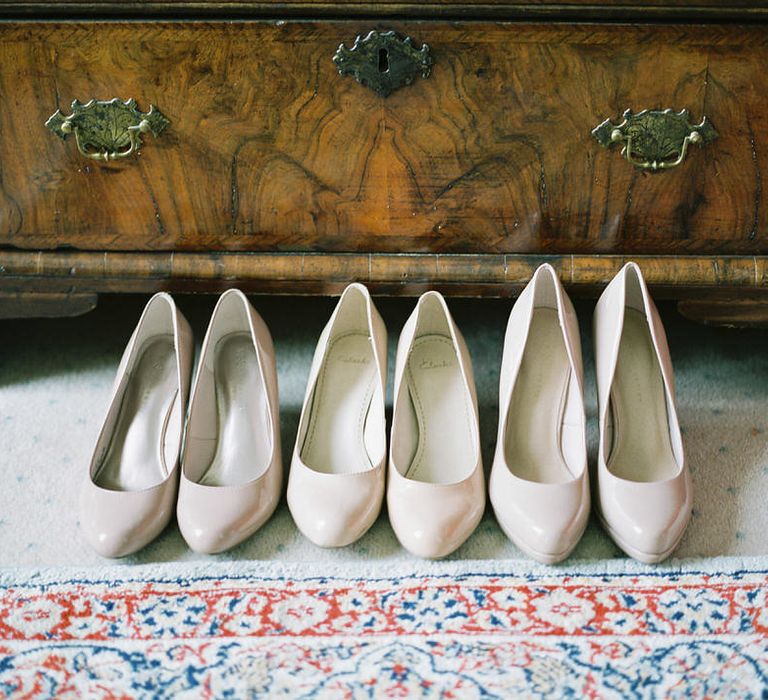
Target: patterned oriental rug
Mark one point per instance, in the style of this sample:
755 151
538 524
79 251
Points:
446 630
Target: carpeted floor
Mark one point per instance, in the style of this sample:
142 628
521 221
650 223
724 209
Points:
55 376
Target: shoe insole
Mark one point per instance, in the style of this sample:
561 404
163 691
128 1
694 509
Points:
335 442
134 459
535 419
641 448
446 452
244 437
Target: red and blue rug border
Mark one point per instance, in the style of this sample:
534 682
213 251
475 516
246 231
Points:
461 628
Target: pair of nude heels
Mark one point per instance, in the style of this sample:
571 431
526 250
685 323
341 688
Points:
435 488
539 484
214 459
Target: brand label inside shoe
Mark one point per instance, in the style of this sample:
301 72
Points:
435 364
353 360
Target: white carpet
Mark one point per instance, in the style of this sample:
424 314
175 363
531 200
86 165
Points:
55 376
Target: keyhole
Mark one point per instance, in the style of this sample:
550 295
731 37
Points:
383 60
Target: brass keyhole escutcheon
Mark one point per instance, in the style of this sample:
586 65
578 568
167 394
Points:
383 60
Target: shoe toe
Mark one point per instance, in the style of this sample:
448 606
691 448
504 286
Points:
546 521
119 523
647 520
548 537
213 519
209 536
327 526
206 533
334 510
111 541
434 538
432 521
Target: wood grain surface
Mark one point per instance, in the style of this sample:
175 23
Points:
600 10
117 271
722 290
128 5
270 150
732 313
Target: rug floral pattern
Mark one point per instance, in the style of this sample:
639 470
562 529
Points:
461 634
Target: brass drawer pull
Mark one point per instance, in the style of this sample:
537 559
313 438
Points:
383 61
107 129
655 139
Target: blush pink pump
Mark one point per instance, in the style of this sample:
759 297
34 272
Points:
231 471
539 484
436 489
644 488
130 493
336 484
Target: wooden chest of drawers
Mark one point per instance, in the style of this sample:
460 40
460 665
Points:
443 145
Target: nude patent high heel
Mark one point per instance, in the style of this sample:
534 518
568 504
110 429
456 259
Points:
643 482
539 484
130 493
336 484
436 490
231 467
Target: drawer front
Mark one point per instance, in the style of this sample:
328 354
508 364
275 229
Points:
268 148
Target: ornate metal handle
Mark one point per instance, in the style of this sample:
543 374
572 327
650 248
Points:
383 61
107 130
655 139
